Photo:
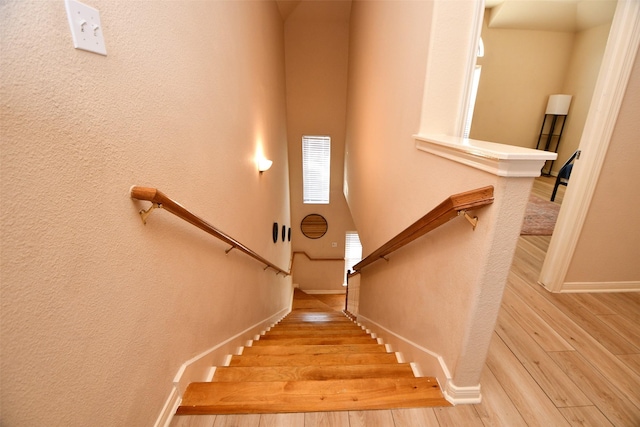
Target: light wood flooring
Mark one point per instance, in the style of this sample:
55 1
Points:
555 360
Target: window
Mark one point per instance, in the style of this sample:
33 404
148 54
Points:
316 160
472 101
480 53
474 91
352 252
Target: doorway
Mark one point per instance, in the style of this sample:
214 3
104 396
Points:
600 118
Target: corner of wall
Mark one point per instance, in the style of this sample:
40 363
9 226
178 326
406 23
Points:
425 361
198 368
462 395
169 408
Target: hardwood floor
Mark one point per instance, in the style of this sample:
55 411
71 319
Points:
543 187
555 360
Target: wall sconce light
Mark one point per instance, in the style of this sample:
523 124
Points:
264 164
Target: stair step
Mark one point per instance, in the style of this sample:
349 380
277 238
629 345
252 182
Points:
316 359
310 313
310 396
312 326
314 349
315 318
309 304
311 373
315 341
319 324
284 330
312 333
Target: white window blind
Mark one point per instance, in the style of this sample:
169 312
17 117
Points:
316 160
352 252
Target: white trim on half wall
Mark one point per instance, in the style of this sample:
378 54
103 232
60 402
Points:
426 360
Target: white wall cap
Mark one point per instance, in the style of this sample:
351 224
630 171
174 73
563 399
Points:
498 159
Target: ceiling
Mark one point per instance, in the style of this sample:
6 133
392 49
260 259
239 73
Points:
542 15
550 15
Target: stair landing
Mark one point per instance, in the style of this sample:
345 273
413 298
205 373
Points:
314 360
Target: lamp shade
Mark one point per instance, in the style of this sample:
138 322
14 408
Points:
558 104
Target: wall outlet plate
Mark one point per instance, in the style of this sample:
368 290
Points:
86 28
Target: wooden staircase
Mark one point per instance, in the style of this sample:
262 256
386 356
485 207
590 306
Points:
315 359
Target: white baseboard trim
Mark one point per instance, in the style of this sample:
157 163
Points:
202 366
324 292
169 408
575 287
426 361
416 370
210 373
196 368
462 395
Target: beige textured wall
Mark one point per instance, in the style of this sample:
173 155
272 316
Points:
317 46
443 291
99 311
580 81
386 81
520 69
317 275
607 250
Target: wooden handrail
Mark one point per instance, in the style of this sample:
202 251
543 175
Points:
294 253
315 259
160 200
444 212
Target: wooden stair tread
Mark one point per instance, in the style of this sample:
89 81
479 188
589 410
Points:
316 317
310 304
314 349
315 341
311 326
313 333
311 373
313 313
318 323
316 359
310 396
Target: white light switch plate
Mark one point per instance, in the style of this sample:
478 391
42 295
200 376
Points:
86 28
